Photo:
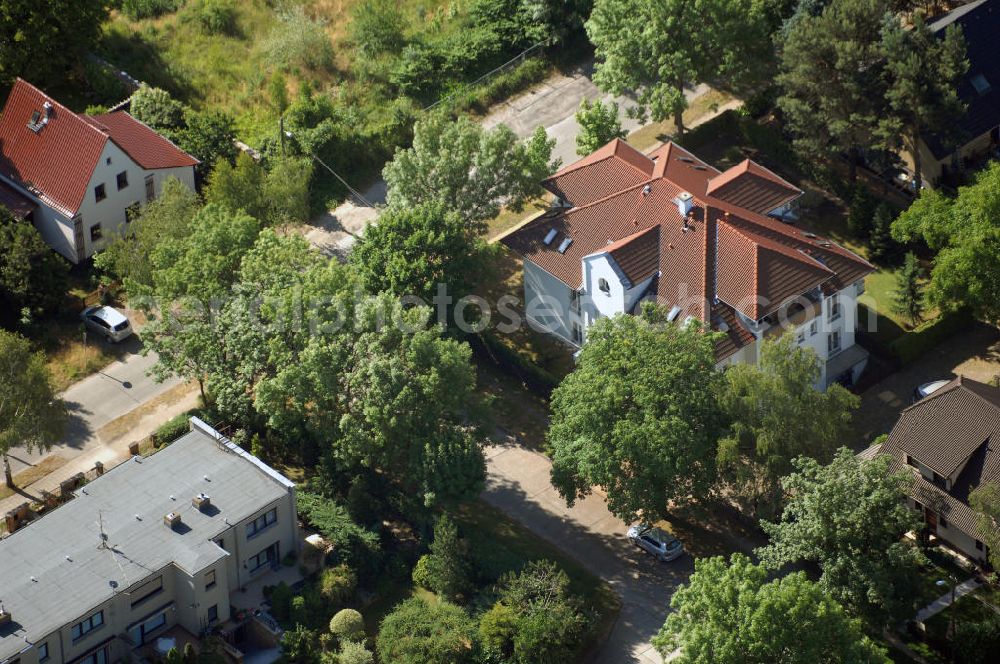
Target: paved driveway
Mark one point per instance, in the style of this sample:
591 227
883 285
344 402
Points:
973 353
518 483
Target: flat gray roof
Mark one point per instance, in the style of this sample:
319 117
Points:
55 570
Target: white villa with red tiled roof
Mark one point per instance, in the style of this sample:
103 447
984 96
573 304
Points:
667 227
76 177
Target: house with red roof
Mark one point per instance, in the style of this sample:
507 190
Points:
711 246
77 177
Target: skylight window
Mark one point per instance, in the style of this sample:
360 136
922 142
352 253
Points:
675 311
564 245
980 83
551 235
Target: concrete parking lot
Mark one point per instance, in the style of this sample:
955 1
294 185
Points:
973 353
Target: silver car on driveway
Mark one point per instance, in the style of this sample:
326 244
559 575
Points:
107 322
652 540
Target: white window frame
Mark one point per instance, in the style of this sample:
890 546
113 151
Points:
813 328
834 311
832 349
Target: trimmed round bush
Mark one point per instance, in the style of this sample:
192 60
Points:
348 624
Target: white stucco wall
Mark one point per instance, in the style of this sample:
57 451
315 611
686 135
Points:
110 213
546 302
609 303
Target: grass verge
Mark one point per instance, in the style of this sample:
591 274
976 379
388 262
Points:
29 476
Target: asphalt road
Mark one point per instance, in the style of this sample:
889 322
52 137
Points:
518 483
101 398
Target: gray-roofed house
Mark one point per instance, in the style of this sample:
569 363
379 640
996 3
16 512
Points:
153 544
950 440
977 132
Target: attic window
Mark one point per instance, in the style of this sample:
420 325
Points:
980 83
603 285
36 121
551 235
35 115
564 245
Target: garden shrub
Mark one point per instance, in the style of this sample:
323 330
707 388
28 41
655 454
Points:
140 9
281 602
354 545
337 584
447 567
213 17
348 624
377 26
421 575
299 41
157 108
352 652
105 87
417 633
172 429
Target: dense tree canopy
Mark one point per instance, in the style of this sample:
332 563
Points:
417 632
599 124
965 232
31 416
166 218
832 78
470 170
33 278
638 416
731 614
658 48
40 41
776 414
854 79
536 619
848 517
924 74
410 251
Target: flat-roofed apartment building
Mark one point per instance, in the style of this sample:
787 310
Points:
153 543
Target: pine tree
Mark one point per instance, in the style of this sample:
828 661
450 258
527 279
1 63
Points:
880 242
908 300
861 211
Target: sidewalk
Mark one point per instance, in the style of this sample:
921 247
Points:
108 444
944 601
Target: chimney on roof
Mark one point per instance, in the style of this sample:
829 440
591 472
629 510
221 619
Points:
685 202
48 109
647 189
5 616
172 520
201 502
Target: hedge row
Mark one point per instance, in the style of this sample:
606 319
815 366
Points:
926 336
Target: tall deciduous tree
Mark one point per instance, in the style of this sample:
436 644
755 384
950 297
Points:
657 48
165 218
32 276
966 234
470 170
731 614
409 252
923 74
908 300
599 124
848 517
31 416
40 41
776 414
638 416
985 500
832 77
